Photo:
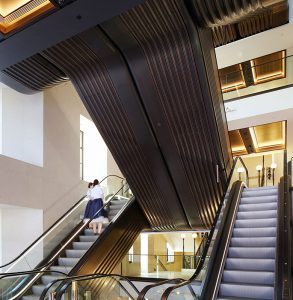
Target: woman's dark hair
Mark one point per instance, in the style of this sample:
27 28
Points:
96 182
90 185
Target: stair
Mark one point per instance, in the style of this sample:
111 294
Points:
249 271
72 255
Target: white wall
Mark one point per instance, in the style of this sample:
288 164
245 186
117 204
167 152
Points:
22 126
19 227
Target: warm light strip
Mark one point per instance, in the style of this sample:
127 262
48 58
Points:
254 140
24 14
268 77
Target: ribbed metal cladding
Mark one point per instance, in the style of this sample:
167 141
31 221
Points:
36 73
222 12
95 87
161 32
217 98
112 248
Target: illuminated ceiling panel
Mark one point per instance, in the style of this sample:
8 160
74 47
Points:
237 144
17 13
8 6
268 67
267 137
232 78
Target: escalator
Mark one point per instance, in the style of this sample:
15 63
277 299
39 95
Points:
248 253
69 248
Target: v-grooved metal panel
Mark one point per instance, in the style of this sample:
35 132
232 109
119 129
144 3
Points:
104 84
168 68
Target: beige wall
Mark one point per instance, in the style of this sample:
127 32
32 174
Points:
56 186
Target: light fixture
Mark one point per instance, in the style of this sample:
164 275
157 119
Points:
194 235
183 235
240 171
273 167
259 168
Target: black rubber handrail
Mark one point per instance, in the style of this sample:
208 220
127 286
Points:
206 248
67 281
283 282
54 224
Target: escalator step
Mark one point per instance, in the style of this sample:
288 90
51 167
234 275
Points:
257 206
258 200
75 253
267 214
46 279
249 277
67 261
62 269
256 223
38 289
259 193
81 245
253 252
247 291
254 232
253 242
88 238
250 264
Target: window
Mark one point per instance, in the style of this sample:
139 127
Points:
170 254
81 148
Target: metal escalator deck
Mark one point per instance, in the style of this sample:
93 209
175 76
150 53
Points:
249 271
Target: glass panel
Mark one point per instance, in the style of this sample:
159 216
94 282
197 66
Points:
158 266
97 288
259 75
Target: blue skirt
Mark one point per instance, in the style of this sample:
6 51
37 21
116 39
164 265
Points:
92 207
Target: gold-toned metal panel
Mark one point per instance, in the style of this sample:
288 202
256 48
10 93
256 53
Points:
8 6
270 135
237 144
232 78
268 67
21 15
266 137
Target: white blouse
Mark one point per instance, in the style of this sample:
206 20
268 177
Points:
96 193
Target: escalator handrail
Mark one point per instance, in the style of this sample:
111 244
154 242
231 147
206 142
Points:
54 225
83 278
283 288
205 251
69 240
221 247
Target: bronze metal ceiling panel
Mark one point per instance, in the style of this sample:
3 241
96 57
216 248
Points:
269 67
232 78
237 144
256 139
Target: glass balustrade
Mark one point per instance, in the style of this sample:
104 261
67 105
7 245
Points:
89 287
46 249
250 79
159 266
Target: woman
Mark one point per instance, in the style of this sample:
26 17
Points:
95 211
